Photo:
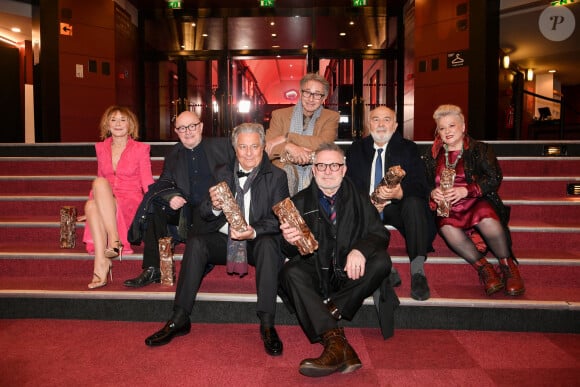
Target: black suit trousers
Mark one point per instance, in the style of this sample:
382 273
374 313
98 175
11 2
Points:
300 283
411 217
263 253
157 227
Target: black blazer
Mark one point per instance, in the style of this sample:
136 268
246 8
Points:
269 187
400 151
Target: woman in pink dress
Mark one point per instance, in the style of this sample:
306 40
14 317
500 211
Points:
465 176
124 175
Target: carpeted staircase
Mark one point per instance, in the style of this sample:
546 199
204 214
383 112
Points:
40 280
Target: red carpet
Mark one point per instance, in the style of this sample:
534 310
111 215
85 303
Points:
100 353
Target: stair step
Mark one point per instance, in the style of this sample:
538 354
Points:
536 186
447 281
540 166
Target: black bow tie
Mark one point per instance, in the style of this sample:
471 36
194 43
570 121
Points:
243 174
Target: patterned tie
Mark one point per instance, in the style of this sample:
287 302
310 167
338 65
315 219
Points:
378 168
332 210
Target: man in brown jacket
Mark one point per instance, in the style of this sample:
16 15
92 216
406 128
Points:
295 132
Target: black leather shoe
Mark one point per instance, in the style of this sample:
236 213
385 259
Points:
272 343
169 331
394 278
148 276
419 287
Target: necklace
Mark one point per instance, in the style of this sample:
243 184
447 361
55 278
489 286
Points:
449 165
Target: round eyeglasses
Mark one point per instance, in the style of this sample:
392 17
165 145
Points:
189 128
321 167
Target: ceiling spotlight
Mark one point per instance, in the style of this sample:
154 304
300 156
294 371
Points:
272 23
552 71
274 35
15 29
276 46
342 34
204 35
369 45
193 24
351 23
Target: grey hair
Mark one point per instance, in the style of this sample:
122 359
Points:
248 127
328 146
315 77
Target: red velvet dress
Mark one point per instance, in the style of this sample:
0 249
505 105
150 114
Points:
129 182
468 211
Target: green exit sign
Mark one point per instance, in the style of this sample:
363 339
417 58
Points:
359 3
174 4
266 3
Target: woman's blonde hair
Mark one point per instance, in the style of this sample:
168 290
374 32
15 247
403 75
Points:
445 110
133 130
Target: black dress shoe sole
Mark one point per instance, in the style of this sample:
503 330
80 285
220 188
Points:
167 340
140 285
273 352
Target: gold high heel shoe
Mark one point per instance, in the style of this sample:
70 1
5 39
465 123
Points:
100 281
114 252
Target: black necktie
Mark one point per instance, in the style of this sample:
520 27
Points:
243 174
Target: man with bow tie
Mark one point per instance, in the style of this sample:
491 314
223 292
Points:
257 185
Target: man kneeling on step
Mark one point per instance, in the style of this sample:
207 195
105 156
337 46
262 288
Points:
257 186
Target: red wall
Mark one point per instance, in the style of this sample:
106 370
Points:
438 32
83 100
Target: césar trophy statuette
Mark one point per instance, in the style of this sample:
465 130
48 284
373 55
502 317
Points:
393 177
230 208
287 212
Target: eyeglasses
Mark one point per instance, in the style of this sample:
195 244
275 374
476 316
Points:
315 96
191 127
321 167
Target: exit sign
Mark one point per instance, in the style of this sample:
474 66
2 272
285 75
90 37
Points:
266 3
359 3
174 4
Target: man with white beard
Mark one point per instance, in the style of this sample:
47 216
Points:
406 207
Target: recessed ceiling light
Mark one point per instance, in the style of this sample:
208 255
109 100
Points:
351 23
305 46
342 34
15 29
369 45
245 46
182 47
552 71
276 46
193 24
274 35
204 35
272 23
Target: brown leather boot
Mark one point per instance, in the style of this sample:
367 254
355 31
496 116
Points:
338 355
488 276
513 282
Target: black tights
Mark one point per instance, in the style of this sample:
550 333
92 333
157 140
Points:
492 233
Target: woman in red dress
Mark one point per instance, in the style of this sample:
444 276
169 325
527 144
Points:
124 175
465 176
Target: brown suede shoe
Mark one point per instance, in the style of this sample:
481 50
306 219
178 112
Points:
488 276
338 355
513 282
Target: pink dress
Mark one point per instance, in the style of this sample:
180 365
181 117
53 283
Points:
129 182
468 211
